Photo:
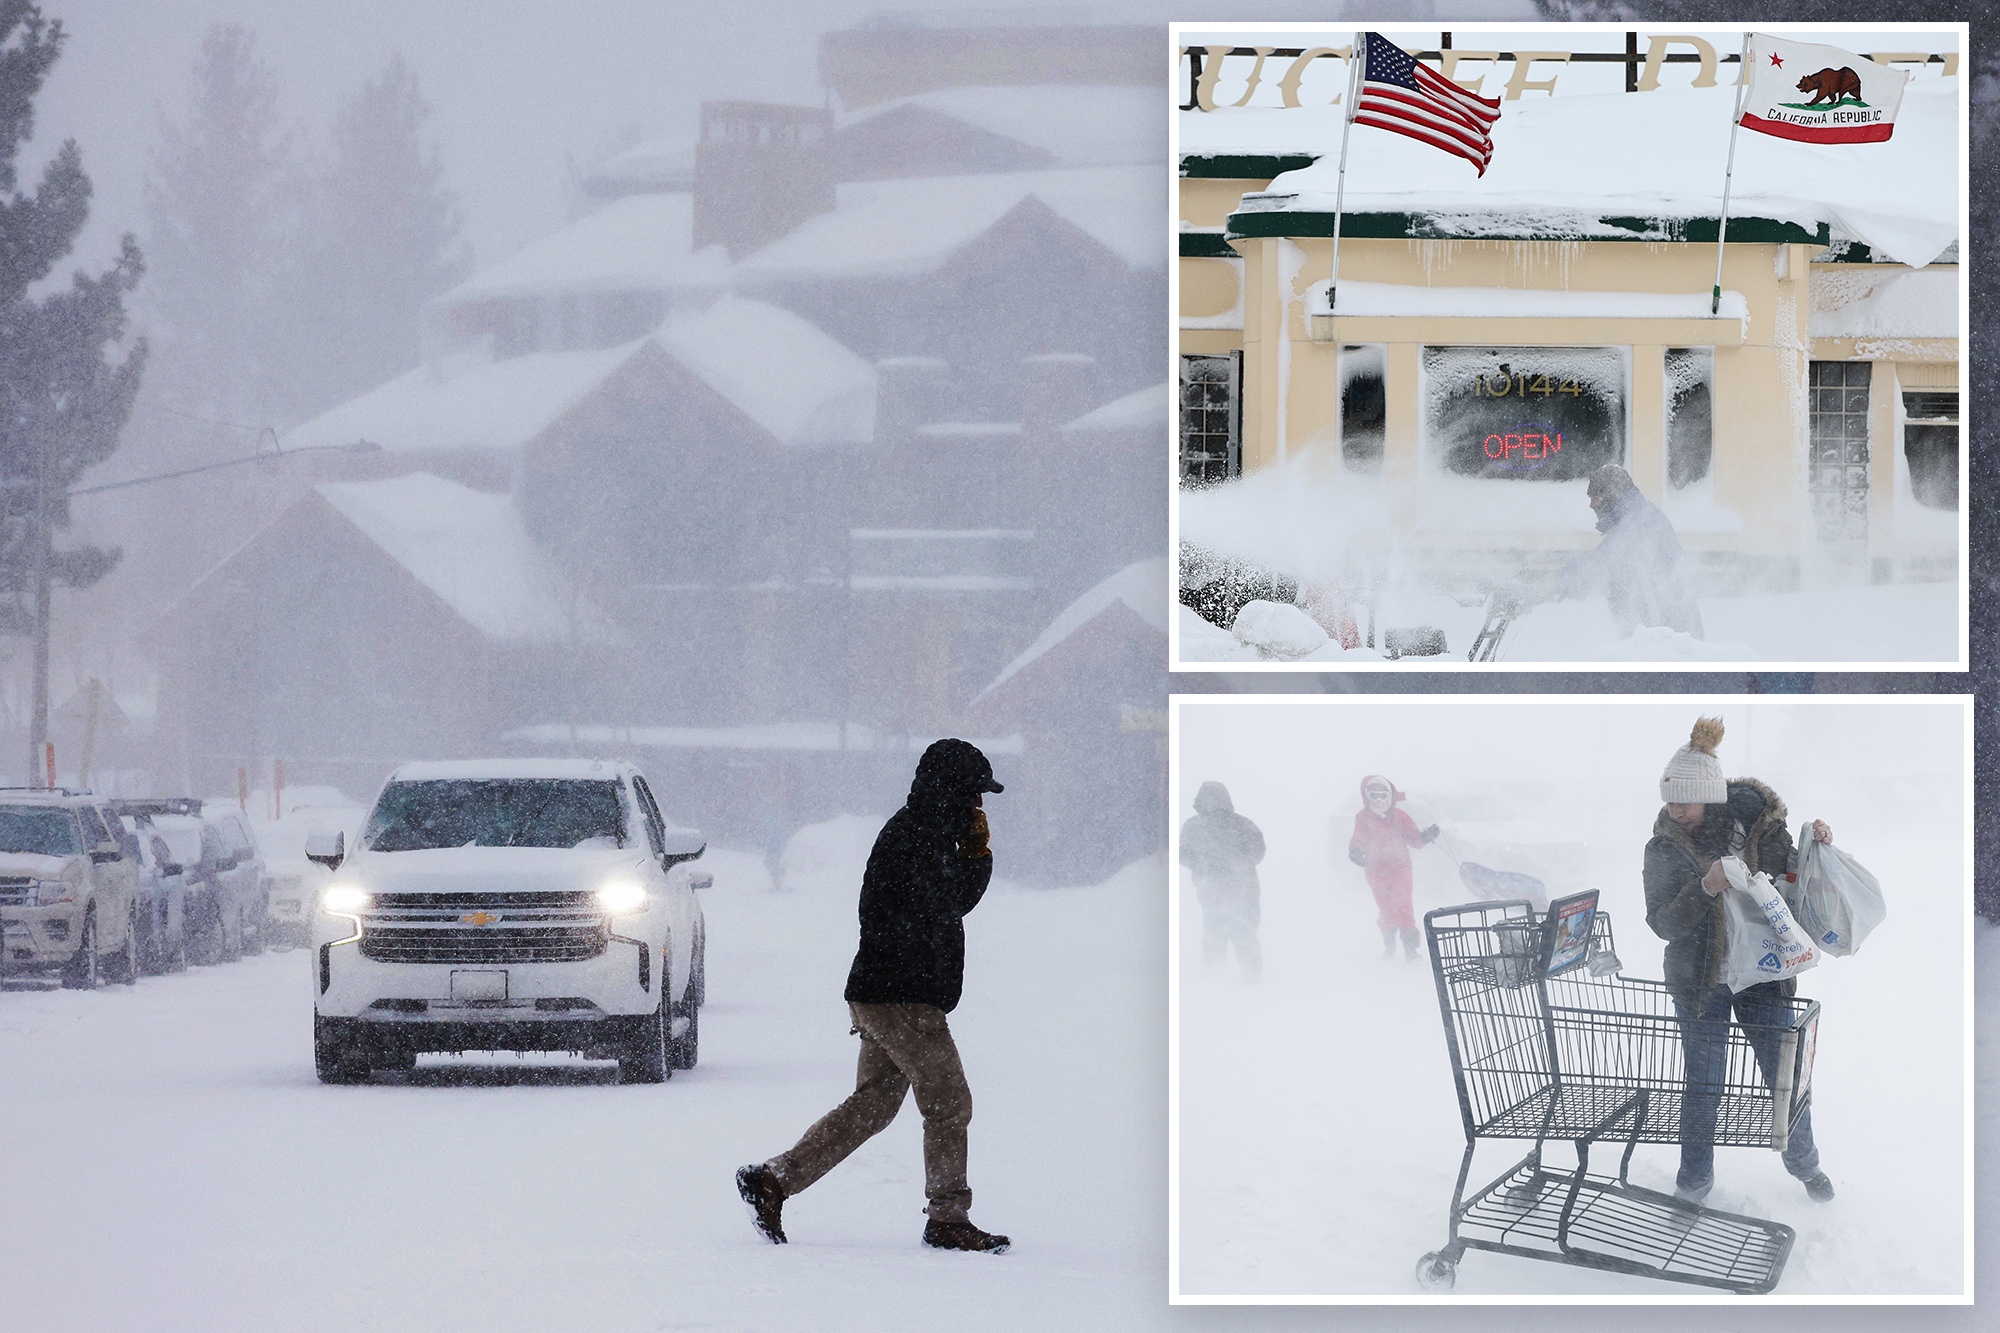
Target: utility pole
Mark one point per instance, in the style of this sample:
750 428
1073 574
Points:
38 729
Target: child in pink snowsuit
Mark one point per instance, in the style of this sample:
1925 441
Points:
1383 836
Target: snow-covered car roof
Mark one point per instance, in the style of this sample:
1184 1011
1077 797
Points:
503 769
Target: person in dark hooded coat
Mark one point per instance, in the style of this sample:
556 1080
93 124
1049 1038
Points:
1221 850
930 866
1704 820
1639 567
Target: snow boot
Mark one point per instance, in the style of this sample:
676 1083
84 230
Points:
1410 945
1388 941
760 1189
1819 1189
963 1236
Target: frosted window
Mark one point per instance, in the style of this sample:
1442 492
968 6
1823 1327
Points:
1211 417
1838 467
1525 413
1364 407
1930 448
1690 414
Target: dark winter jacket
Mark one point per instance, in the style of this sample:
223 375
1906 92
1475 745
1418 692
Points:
1638 567
929 867
1683 913
1222 849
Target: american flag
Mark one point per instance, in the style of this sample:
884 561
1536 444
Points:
1404 97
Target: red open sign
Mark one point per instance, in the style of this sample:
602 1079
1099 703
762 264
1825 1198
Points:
1526 444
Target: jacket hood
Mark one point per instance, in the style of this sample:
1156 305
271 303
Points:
952 772
1395 793
1213 798
1750 803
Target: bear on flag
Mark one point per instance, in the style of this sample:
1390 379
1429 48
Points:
1818 94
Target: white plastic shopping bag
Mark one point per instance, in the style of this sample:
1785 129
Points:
1836 901
1764 942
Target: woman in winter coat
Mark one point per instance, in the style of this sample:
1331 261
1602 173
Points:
1221 849
1704 820
1383 836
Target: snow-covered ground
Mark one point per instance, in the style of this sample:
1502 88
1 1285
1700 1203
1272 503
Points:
1319 1130
1892 623
173 1164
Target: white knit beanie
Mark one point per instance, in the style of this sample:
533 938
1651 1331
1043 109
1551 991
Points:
1694 774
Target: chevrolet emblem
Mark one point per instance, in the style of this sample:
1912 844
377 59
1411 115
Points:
480 918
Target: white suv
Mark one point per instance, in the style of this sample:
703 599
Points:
69 889
514 904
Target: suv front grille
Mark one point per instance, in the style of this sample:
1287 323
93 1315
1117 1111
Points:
16 892
556 927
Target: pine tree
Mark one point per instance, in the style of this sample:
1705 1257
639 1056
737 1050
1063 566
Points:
383 239
62 403
220 198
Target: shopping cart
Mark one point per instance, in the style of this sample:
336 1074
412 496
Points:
1549 1041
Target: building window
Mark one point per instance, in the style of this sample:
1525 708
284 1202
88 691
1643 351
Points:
1690 414
1930 447
1525 413
1364 407
1211 418
1838 471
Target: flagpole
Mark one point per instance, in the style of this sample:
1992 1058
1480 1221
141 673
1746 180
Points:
1356 57
1729 173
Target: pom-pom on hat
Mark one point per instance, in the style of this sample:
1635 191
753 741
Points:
1694 774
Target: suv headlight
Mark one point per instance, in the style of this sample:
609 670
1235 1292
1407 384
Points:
622 897
345 899
48 891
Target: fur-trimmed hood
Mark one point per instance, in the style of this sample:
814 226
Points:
1756 827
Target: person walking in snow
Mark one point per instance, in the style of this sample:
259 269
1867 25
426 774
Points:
1705 819
929 868
1639 567
1221 850
1383 836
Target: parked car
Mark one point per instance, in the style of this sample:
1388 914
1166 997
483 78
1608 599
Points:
69 892
510 905
162 899
239 870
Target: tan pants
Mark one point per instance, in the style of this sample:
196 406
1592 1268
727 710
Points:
903 1046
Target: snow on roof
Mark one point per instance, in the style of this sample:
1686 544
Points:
1882 301
1146 408
903 228
784 373
1562 163
504 769
493 405
643 242
810 736
470 548
659 163
1141 585
1081 125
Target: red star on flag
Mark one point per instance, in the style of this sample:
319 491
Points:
1777 59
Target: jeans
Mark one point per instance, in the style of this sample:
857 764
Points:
1705 1043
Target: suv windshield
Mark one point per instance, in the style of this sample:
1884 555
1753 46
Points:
514 812
42 831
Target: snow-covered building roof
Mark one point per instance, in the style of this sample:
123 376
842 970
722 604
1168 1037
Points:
1068 125
470 549
642 242
905 228
1878 301
1140 410
467 403
783 373
1611 166
651 165
794 381
1141 587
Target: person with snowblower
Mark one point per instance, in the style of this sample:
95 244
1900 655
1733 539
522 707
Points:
1383 836
929 868
1639 567
1221 849
1704 820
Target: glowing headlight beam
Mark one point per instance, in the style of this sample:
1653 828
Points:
621 897
344 898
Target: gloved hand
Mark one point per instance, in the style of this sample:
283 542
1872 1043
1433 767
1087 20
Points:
1429 835
1356 855
973 842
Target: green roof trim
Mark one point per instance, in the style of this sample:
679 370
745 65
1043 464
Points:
1428 227
1244 166
1207 245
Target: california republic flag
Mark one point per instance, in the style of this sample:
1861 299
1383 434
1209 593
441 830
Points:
1818 94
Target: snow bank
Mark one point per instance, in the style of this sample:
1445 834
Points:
470 548
1282 632
1560 164
828 857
